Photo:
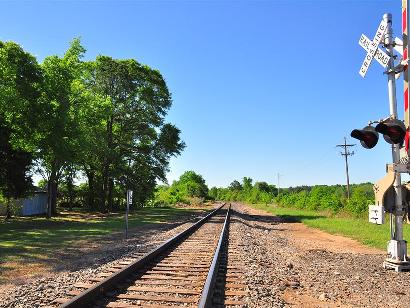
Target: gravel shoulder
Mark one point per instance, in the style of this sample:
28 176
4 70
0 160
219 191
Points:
291 265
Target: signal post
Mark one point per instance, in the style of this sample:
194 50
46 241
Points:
389 190
397 247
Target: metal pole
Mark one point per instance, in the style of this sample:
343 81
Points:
397 250
126 213
405 22
128 204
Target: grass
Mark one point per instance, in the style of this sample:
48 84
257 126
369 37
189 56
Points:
356 228
35 239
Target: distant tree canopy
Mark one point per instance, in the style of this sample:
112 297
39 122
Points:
189 188
260 192
101 119
318 197
235 186
332 197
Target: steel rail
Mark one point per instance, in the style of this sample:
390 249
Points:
209 286
85 298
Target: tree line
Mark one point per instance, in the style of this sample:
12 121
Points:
332 198
191 187
102 121
247 191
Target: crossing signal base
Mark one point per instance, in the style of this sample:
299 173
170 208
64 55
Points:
394 251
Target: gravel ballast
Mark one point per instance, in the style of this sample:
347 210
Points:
281 269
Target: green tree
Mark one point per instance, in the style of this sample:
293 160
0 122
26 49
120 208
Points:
60 130
104 118
361 197
192 185
247 183
213 193
15 178
235 185
265 187
134 145
20 118
21 108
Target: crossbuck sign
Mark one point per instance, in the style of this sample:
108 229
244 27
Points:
373 51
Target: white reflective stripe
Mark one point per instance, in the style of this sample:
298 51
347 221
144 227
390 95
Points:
398 45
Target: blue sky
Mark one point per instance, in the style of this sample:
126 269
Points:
259 87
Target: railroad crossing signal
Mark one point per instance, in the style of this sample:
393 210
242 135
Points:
372 48
393 131
381 57
368 136
373 51
388 191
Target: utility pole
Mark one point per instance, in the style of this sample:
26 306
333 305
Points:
346 153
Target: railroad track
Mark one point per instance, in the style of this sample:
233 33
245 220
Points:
196 268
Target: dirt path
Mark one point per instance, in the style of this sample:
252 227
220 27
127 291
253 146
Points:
292 265
306 238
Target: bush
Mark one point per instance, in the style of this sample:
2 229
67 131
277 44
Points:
332 198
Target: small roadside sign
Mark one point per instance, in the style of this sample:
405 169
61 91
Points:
129 203
129 197
376 214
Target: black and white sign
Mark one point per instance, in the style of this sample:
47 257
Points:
129 197
372 48
380 56
376 214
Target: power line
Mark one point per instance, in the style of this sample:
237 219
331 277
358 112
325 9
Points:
346 153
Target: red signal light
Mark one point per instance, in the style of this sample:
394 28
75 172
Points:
393 131
368 136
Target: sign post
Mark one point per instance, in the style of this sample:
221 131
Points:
129 202
397 247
